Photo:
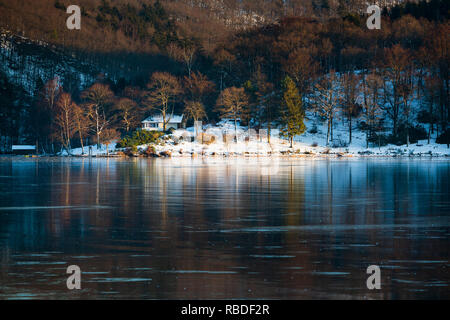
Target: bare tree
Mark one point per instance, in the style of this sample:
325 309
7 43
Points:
406 90
128 113
98 99
82 123
431 96
198 86
301 67
233 104
64 120
48 97
397 60
185 54
350 83
194 110
326 101
372 113
163 89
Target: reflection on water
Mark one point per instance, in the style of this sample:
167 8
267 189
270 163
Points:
196 229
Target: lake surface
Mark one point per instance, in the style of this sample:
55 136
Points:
219 229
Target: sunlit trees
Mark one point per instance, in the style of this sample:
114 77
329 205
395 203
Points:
194 110
224 60
98 99
128 114
292 113
82 124
65 120
257 58
198 86
301 67
185 53
164 89
233 104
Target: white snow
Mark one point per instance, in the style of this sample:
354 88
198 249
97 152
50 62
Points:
312 144
180 144
102 151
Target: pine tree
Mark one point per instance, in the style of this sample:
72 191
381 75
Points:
292 113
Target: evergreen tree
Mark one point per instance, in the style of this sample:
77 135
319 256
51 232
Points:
292 113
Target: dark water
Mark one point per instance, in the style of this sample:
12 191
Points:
197 229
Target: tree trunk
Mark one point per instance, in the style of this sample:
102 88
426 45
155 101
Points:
407 131
81 142
328 132
331 125
350 131
429 133
164 120
407 136
97 131
235 130
367 139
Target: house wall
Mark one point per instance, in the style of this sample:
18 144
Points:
147 126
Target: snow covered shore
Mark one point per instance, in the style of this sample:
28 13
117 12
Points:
308 144
219 141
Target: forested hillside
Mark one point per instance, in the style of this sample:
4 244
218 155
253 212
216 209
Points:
391 83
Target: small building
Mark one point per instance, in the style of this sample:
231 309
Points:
23 149
156 123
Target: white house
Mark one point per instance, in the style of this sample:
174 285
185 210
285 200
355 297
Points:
156 123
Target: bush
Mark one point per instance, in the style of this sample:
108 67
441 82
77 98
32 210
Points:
150 151
379 140
415 134
140 137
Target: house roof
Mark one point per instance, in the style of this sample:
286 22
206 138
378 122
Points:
159 119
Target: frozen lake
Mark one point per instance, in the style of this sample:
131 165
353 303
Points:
218 229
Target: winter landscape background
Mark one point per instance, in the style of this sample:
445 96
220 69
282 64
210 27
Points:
310 69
